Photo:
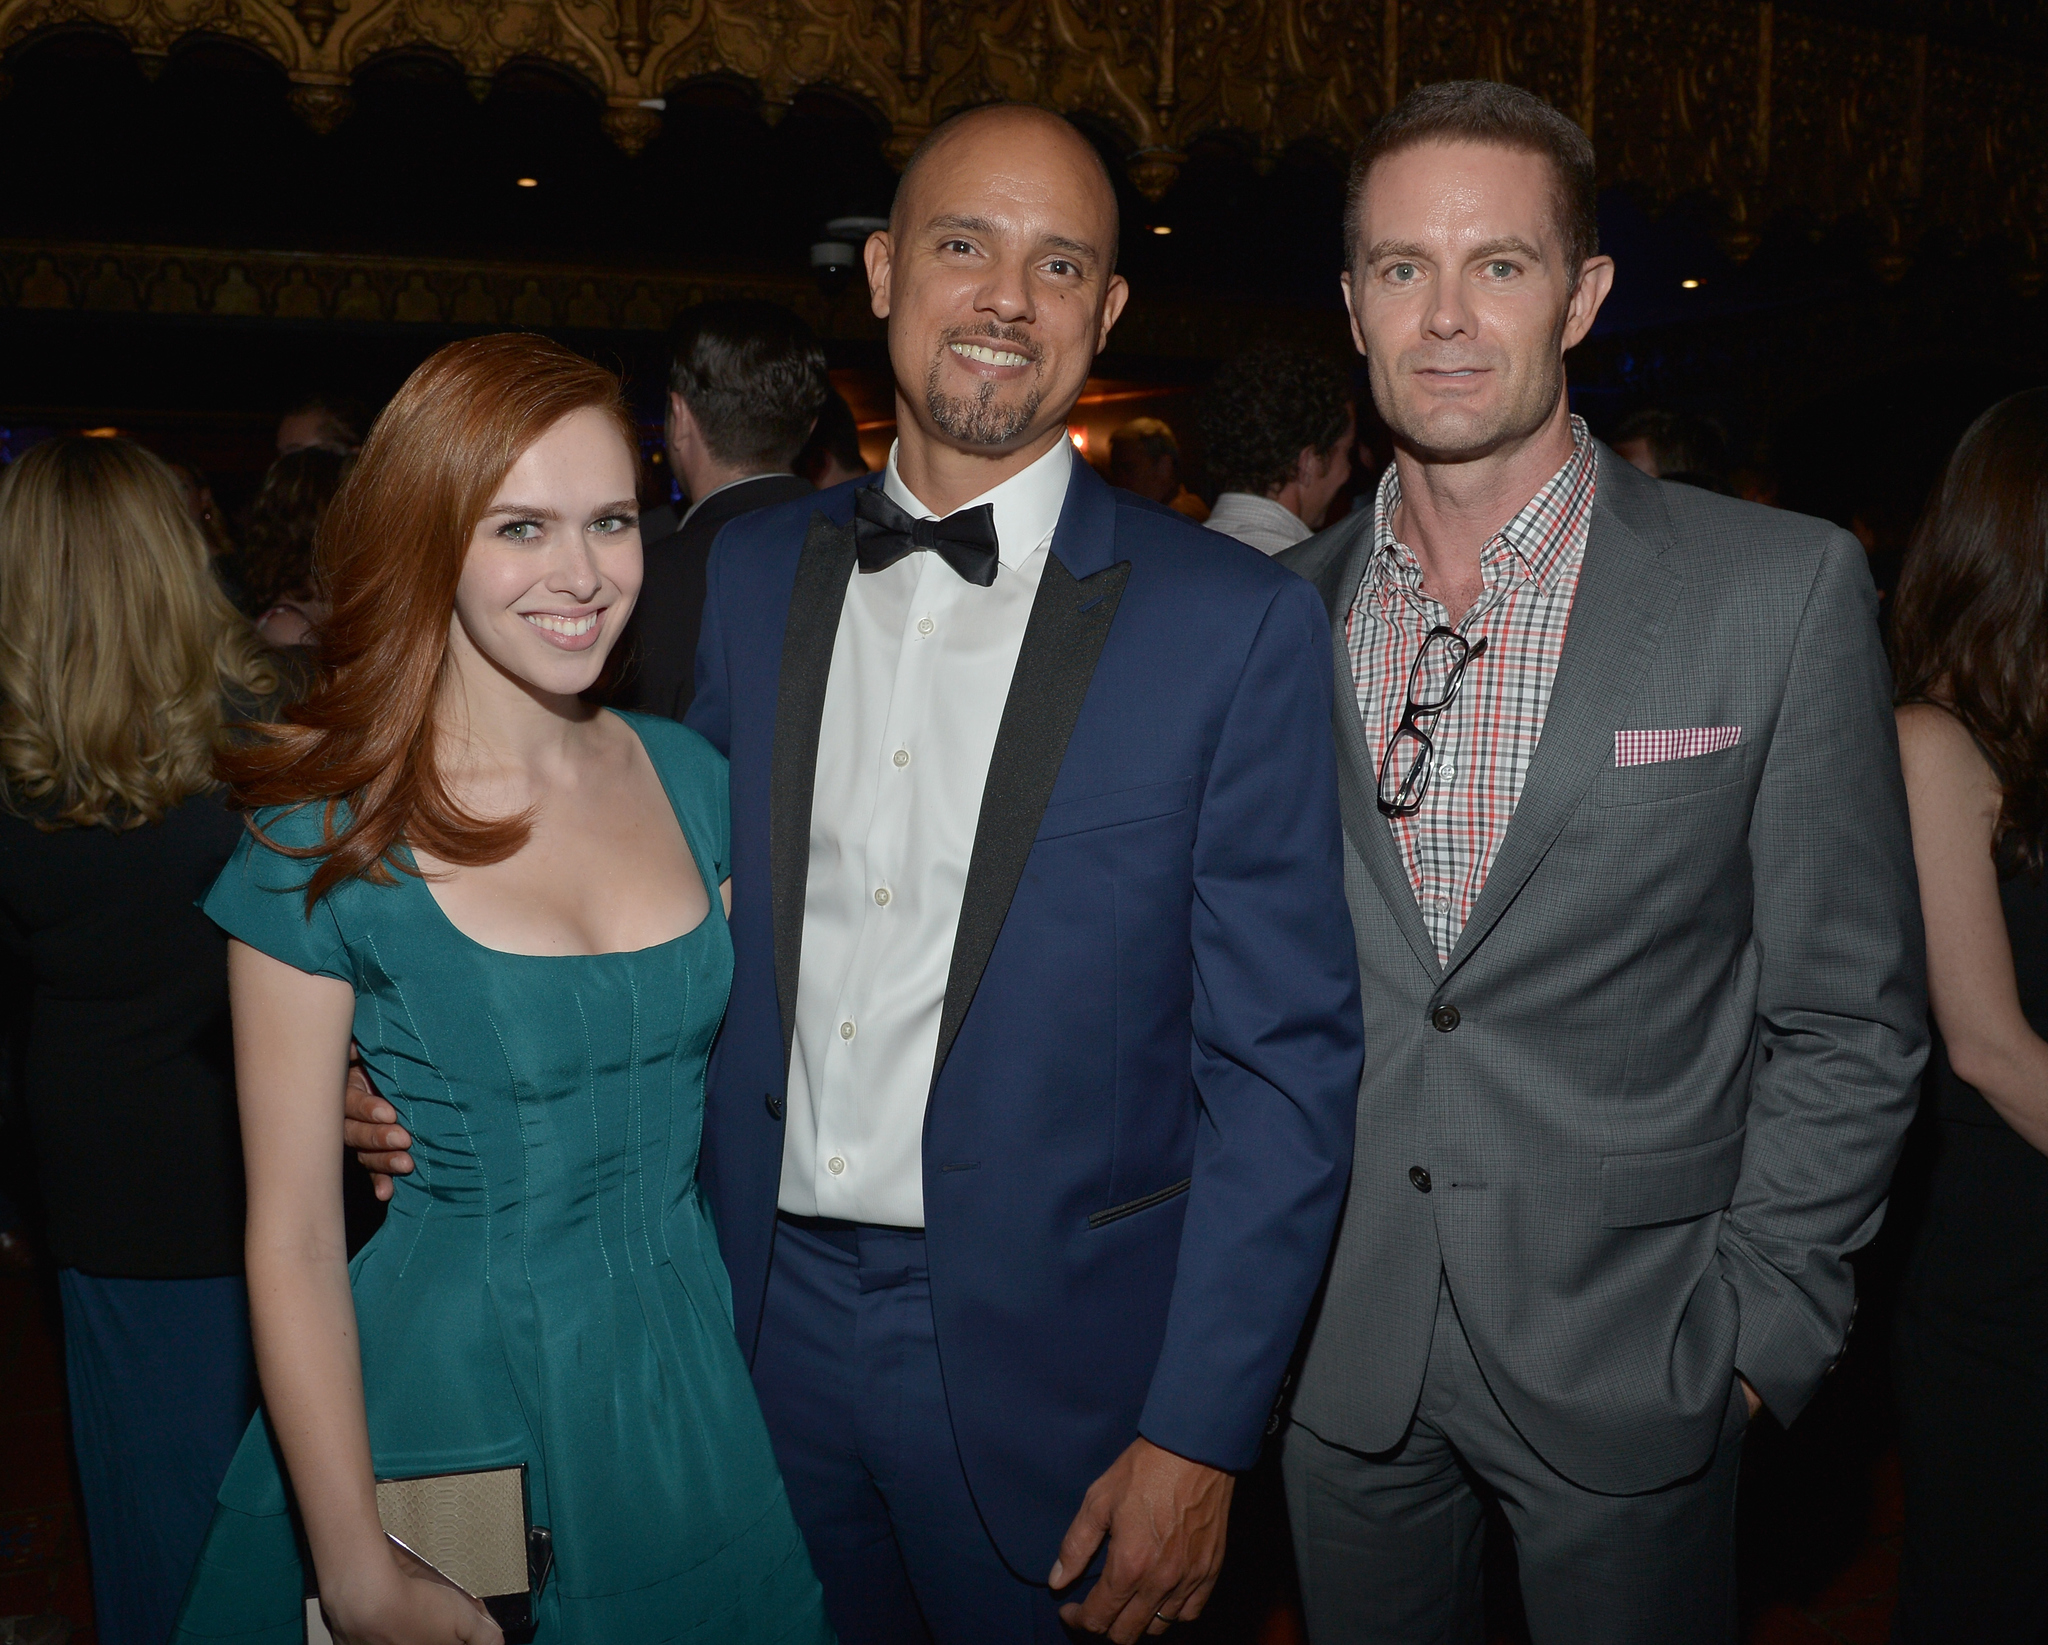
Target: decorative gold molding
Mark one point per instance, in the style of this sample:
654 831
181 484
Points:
1762 106
331 288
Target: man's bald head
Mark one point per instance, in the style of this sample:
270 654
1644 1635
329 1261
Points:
997 277
1001 126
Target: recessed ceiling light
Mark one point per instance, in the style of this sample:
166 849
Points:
1162 228
529 182
1689 285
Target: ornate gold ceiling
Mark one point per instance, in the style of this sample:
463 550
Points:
1767 109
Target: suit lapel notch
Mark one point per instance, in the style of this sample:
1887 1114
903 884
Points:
822 573
1063 639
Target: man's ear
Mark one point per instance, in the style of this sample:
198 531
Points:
1114 296
1351 311
879 254
1596 280
682 421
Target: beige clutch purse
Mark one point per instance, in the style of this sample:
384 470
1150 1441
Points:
470 1530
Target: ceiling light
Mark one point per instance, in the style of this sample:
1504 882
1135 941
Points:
528 182
1689 285
1080 438
1162 228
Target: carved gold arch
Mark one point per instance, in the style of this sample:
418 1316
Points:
1761 105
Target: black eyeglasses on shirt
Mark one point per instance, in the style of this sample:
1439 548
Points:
1406 796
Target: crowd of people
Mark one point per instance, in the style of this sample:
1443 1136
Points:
882 1117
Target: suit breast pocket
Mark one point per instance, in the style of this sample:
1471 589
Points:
1673 779
1113 810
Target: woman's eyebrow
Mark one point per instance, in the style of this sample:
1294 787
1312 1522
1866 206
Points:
537 511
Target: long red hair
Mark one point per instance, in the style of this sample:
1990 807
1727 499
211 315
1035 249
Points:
390 553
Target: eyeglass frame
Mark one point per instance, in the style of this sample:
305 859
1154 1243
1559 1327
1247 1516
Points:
1404 803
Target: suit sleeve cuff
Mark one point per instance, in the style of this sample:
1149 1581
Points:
1782 1349
1227 1440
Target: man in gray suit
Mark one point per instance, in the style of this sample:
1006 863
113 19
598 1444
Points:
1628 861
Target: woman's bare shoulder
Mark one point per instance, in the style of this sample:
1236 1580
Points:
1943 765
1927 731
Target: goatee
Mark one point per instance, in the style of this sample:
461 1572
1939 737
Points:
979 420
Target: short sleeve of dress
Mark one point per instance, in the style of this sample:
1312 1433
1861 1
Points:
698 781
260 897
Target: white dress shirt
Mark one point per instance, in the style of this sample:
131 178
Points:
1258 521
920 673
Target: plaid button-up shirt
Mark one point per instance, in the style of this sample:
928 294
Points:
1487 737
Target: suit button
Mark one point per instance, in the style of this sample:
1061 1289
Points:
774 1105
1444 1018
1420 1178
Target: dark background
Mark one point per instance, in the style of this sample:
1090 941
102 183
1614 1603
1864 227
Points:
1847 386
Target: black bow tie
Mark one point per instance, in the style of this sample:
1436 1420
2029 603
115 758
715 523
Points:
884 533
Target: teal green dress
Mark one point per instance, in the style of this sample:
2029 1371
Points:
546 1287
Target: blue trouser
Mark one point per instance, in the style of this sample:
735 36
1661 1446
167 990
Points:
161 1385
848 1372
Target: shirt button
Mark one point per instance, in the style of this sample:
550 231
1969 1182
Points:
925 625
901 758
836 1165
846 1030
1446 771
881 896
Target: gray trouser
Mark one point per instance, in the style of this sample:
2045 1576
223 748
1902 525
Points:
1388 1544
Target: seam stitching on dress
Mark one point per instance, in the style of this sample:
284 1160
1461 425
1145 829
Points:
640 1126
596 1178
424 1168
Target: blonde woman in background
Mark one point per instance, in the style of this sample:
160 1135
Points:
122 666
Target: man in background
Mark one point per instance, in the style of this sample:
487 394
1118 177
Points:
746 383
1145 457
832 455
324 422
1675 445
1277 432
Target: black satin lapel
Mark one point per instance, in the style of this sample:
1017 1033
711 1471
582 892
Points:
1624 600
822 573
1062 643
1358 804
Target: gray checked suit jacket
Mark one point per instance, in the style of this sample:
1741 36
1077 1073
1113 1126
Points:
1684 1022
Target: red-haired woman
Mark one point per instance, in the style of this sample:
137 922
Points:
505 899
1970 641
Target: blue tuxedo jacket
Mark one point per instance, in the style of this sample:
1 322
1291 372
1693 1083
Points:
1140 1123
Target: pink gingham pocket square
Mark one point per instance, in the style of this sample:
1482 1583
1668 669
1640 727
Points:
1653 747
